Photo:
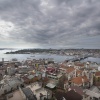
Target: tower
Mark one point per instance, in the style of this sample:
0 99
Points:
2 61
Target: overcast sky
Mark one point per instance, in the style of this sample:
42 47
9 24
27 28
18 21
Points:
50 23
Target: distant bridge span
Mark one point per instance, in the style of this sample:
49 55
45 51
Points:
79 58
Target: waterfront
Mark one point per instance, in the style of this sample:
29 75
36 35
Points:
57 58
21 57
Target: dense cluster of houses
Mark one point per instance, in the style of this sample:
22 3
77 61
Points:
46 80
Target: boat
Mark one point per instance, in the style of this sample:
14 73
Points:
32 56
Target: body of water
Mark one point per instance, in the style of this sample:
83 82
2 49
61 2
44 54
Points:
21 57
92 59
57 58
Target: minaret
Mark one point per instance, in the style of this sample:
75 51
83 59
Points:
3 61
91 79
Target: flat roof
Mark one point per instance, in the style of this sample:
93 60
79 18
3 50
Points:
34 86
50 85
16 96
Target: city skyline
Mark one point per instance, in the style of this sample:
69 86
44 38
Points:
50 24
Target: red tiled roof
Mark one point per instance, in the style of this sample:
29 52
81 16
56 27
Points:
78 80
79 71
70 69
63 66
97 73
79 64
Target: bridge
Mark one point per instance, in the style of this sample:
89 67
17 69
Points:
79 58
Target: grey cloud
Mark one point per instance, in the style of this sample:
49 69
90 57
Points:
54 23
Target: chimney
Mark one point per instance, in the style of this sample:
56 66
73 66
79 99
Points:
75 73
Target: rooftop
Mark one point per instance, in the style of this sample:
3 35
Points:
80 79
70 69
16 96
79 64
92 93
77 89
97 73
34 86
50 85
71 95
29 94
37 90
42 91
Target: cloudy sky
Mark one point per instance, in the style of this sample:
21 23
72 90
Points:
50 23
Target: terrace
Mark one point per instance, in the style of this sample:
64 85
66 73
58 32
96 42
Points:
39 91
35 86
16 95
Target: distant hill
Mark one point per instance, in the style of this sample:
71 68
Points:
7 48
